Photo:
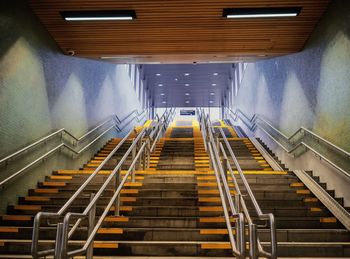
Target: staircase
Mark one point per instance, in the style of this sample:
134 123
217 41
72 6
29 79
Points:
173 208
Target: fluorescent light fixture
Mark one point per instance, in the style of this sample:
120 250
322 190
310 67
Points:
215 74
212 93
187 84
162 94
106 15
213 84
158 74
160 84
211 101
187 74
268 12
187 94
164 102
187 102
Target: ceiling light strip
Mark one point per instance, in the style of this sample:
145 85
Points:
107 15
273 12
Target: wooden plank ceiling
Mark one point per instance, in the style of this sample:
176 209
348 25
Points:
179 31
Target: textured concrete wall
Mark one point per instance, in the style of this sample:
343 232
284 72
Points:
42 90
310 89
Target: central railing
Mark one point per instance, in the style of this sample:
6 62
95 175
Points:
113 122
139 150
220 162
238 245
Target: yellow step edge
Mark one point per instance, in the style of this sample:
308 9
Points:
129 191
328 220
296 185
216 246
36 198
314 209
128 199
310 200
106 245
110 231
214 220
46 190
122 208
8 229
214 184
133 184
61 177
209 199
16 218
210 208
208 192
303 191
54 184
27 207
116 219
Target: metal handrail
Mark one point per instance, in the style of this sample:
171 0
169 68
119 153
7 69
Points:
63 130
226 195
88 244
63 233
254 122
269 216
39 216
6 181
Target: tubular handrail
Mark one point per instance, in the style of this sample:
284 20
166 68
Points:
63 130
253 122
6 181
94 231
63 209
226 195
269 216
63 232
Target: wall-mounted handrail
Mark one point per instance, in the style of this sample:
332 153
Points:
63 229
253 122
63 130
239 248
16 174
269 216
41 215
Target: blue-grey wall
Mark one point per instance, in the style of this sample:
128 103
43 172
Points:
42 90
310 89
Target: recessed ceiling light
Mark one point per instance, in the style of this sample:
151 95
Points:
160 84
215 74
187 84
187 102
107 15
164 102
212 93
187 74
175 79
187 93
162 94
213 84
211 101
158 74
268 12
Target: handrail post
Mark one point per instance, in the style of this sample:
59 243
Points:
117 200
148 152
133 154
58 244
224 166
253 246
92 214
